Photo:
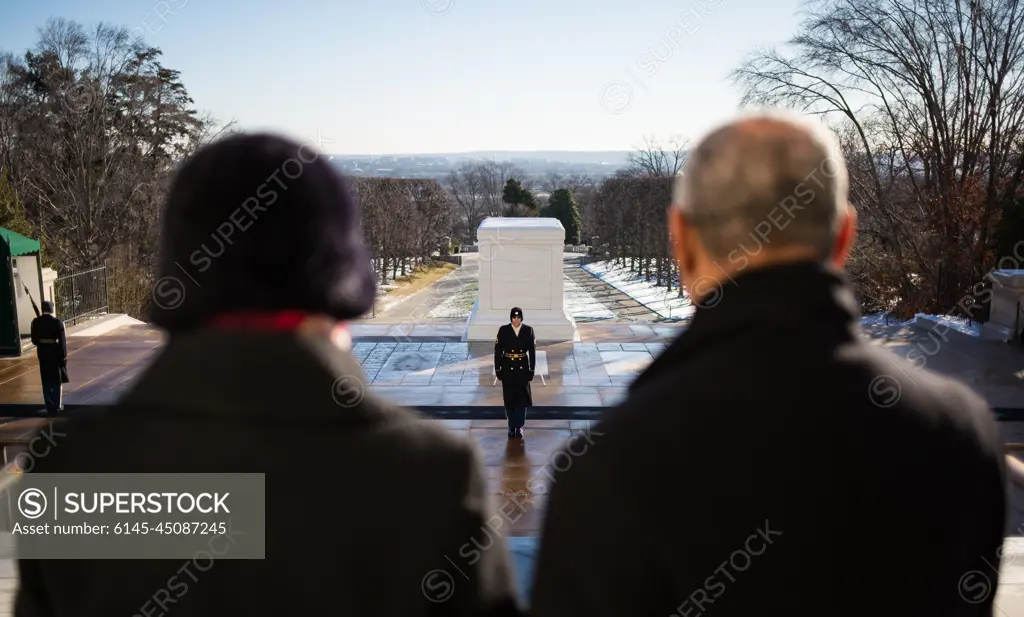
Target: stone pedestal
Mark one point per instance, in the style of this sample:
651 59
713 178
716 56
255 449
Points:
521 265
1007 291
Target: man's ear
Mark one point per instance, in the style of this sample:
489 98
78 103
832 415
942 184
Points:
679 231
845 237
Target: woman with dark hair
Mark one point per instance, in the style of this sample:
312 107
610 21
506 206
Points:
262 264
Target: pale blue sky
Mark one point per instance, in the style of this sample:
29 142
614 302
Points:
399 76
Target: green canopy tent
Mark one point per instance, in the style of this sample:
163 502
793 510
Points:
14 245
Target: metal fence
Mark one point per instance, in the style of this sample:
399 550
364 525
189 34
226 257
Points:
80 295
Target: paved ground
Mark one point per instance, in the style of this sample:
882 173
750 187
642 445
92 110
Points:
417 308
996 370
99 366
427 365
451 298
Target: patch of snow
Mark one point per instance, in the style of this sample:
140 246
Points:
960 324
385 303
668 304
107 326
460 304
581 304
879 319
952 322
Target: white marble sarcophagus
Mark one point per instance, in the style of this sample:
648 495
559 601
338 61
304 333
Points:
521 265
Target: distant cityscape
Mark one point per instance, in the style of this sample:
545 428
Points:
538 164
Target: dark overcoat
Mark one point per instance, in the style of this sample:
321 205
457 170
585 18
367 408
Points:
773 460
342 471
50 339
515 359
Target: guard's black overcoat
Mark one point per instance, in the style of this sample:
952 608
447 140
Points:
515 359
50 339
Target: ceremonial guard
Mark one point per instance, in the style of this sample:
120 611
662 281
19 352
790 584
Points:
52 350
515 358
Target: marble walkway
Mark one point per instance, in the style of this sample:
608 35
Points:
428 365
576 374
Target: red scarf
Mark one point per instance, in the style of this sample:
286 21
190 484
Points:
261 320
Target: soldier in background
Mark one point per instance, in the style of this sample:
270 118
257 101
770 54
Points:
515 358
51 343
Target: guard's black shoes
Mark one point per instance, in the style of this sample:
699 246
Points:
511 434
519 433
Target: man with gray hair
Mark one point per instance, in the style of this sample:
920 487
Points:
771 458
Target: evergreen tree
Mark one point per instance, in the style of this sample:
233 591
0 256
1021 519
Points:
563 207
515 195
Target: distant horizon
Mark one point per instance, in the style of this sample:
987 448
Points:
479 152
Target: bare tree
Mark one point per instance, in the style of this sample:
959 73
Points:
495 175
93 123
930 98
467 187
551 182
403 221
629 217
658 158
92 126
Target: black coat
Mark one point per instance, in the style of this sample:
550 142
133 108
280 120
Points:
750 472
50 339
340 482
515 359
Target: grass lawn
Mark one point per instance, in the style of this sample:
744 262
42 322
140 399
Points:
413 282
